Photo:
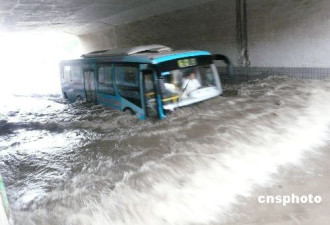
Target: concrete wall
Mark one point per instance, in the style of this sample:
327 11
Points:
289 33
209 26
281 33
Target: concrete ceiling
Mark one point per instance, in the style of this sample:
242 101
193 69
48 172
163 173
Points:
81 16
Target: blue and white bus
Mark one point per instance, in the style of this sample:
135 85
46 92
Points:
149 81
5 212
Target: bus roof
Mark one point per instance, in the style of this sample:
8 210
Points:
129 51
153 54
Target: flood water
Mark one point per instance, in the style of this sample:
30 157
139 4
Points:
83 164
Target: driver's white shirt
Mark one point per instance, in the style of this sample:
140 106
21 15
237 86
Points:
189 85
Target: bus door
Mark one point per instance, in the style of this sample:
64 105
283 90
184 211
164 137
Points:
150 95
89 85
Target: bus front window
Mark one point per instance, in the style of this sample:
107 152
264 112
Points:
190 85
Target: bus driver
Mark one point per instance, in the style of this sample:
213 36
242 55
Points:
189 84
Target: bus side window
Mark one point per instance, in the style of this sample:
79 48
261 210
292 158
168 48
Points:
101 75
105 82
127 82
127 75
76 73
67 72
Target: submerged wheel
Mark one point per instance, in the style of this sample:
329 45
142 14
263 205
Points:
79 98
129 111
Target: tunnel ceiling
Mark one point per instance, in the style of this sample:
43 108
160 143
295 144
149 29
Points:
81 16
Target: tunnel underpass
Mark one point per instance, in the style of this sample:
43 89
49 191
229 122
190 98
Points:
250 156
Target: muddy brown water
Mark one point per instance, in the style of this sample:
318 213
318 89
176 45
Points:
83 164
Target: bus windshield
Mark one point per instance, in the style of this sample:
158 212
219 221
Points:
189 85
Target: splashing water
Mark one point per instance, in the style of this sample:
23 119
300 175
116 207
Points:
83 164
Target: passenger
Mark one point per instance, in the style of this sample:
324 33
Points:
189 84
171 88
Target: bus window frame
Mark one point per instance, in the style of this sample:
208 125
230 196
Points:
112 76
74 70
159 95
117 86
67 76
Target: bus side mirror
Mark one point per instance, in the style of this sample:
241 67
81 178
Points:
161 84
227 61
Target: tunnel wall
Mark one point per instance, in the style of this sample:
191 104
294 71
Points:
280 33
289 33
209 26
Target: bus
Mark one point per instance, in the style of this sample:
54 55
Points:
149 81
5 212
